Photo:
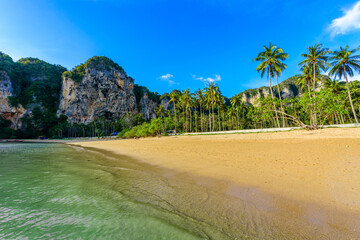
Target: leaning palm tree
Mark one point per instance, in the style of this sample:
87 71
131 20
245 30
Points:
271 62
344 62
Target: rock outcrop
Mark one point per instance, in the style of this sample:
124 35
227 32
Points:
165 102
147 107
104 90
6 110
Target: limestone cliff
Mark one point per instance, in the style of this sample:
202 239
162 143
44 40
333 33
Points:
288 89
147 107
8 112
98 88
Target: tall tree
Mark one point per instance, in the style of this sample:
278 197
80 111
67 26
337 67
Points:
186 103
316 57
279 67
200 98
174 97
343 63
236 101
270 62
210 92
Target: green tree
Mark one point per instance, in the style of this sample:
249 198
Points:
270 62
343 63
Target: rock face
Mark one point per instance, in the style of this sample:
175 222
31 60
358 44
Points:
6 111
165 102
103 91
147 107
5 92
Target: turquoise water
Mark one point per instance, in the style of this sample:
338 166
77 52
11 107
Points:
55 191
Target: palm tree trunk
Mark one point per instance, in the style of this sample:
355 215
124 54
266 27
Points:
213 118
281 105
237 115
219 120
190 118
196 122
314 85
348 90
272 96
175 114
201 119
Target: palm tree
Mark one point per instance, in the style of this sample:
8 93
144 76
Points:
160 112
317 59
186 103
306 78
200 98
219 102
174 97
334 85
270 62
236 101
344 62
231 114
278 68
210 92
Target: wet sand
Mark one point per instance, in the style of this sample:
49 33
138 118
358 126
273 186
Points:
315 175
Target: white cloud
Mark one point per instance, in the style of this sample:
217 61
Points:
348 22
168 78
217 78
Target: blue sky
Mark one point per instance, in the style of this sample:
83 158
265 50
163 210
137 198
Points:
176 44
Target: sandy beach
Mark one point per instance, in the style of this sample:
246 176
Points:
319 167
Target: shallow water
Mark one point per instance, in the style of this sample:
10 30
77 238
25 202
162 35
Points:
55 191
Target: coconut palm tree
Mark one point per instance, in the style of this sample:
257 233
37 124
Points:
334 85
316 58
186 103
160 111
174 98
210 92
271 62
200 98
278 69
236 101
306 78
343 63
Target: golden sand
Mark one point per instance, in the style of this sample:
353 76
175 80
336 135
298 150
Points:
306 181
321 166
314 166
